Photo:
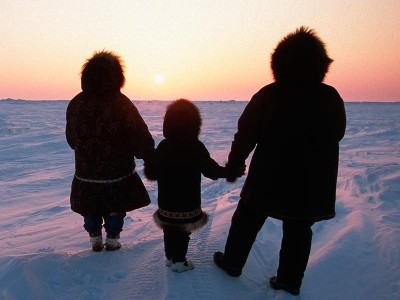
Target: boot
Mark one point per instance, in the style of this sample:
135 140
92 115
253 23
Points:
112 242
220 262
182 266
96 240
168 262
276 285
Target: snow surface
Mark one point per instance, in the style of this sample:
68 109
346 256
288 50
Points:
45 252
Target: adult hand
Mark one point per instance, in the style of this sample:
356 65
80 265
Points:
233 172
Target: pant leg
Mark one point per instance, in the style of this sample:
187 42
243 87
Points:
245 225
114 223
295 251
182 244
93 224
169 242
176 244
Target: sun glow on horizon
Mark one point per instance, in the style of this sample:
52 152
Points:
159 79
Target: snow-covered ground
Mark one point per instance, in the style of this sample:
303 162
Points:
45 252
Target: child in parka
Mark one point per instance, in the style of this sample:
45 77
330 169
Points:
180 160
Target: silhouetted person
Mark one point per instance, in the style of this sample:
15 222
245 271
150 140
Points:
106 132
180 160
295 125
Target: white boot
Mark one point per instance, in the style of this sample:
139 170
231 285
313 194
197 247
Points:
182 266
168 262
97 243
112 242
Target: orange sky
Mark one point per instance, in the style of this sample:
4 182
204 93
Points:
201 50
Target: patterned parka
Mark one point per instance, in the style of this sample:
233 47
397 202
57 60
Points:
106 132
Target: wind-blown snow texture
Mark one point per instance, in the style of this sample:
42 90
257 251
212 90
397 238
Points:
45 253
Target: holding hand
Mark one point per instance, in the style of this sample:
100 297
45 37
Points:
233 172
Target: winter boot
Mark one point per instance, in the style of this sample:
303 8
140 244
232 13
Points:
112 243
220 262
168 262
276 285
182 266
96 240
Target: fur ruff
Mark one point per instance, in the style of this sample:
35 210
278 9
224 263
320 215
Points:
103 72
186 227
182 120
300 56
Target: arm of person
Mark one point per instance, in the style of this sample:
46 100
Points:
68 136
246 137
68 132
341 118
150 170
151 166
141 139
209 167
338 115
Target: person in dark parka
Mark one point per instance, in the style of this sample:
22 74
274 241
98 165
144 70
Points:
106 132
295 125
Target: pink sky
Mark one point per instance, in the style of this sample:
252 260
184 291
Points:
201 50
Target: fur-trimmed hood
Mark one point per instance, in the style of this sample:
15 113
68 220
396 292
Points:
300 57
182 120
103 72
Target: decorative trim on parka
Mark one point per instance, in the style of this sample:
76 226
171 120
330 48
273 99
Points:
183 223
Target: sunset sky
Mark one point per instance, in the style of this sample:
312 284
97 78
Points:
195 49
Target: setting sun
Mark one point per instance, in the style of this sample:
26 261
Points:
159 79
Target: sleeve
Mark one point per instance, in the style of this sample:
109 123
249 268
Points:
142 141
339 116
68 132
209 167
247 135
151 166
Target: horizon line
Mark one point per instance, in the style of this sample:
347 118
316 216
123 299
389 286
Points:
160 100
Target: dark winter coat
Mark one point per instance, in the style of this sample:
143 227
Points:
178 167
106 134
295 130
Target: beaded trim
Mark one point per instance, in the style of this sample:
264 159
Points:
104 180
180 214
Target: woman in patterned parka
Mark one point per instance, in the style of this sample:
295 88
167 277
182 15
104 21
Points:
106 131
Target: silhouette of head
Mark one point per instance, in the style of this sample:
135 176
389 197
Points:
182 120
300 57
103 72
